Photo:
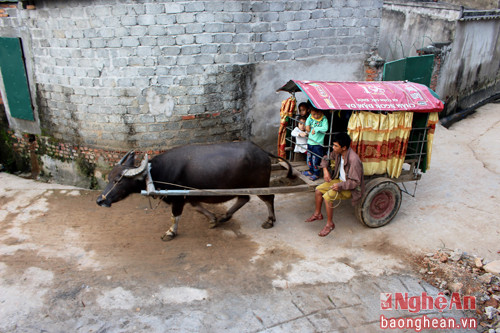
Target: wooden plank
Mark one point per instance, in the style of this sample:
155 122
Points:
301 176
232 192
150 189
276 166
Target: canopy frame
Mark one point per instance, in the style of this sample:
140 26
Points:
367 95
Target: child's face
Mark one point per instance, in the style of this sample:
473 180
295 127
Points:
316 114
301 126
302 111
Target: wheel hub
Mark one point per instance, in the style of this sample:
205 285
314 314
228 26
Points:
382 204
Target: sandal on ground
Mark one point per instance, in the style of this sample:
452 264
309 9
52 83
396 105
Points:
307 173
326 230
315 217
314 177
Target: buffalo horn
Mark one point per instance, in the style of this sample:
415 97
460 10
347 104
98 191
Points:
125 157
136 171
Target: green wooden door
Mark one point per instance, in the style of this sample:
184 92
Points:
418 70
414 69
14 79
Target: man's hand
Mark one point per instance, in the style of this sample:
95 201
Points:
326 176
335 187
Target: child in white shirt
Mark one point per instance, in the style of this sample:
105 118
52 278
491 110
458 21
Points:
300 135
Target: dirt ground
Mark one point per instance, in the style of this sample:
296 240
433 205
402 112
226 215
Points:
66 263
71 256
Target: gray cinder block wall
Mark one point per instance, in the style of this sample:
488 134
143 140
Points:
119 74
465 42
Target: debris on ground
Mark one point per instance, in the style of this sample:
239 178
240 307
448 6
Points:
455 271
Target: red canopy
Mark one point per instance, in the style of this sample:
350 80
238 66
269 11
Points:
369 95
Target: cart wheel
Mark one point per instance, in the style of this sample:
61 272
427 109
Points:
380 202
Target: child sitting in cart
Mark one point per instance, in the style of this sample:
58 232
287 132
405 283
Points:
304 109
316 127
299 132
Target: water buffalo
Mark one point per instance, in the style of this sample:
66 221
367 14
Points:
214 166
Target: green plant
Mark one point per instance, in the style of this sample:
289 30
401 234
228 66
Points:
87 169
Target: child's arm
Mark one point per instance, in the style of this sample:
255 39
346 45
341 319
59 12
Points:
323 128
308 124
296 132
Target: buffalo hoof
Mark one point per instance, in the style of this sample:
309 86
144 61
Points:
267 225
223 219
212 224
168 237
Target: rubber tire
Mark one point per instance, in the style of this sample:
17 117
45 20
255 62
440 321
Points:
380 202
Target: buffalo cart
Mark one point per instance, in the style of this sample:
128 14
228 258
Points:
391 124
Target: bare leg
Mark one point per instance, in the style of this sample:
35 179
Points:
318 196
329 220
329 213
269 201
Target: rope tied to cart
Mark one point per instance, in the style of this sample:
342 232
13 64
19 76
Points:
163 196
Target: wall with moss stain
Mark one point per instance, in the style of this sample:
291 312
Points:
62 162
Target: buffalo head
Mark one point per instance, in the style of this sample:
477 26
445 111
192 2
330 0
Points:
124 179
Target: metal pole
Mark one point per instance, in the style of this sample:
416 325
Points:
330 134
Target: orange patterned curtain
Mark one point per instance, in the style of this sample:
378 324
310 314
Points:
380 140
287 110
431 123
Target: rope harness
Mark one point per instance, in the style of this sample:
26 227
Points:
163 196
104 196
332 202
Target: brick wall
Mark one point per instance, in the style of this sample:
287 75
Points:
150 75
124 74
63 151
4 9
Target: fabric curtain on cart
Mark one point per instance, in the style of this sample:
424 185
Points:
380 140
287 110
431 124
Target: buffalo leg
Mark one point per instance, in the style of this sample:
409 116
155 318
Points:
207 213
240 202
269 201
177 207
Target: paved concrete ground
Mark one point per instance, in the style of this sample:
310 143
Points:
53 278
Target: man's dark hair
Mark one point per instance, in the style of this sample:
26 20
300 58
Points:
343 139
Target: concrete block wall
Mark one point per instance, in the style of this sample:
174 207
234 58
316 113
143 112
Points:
149 75
466 70
127 74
